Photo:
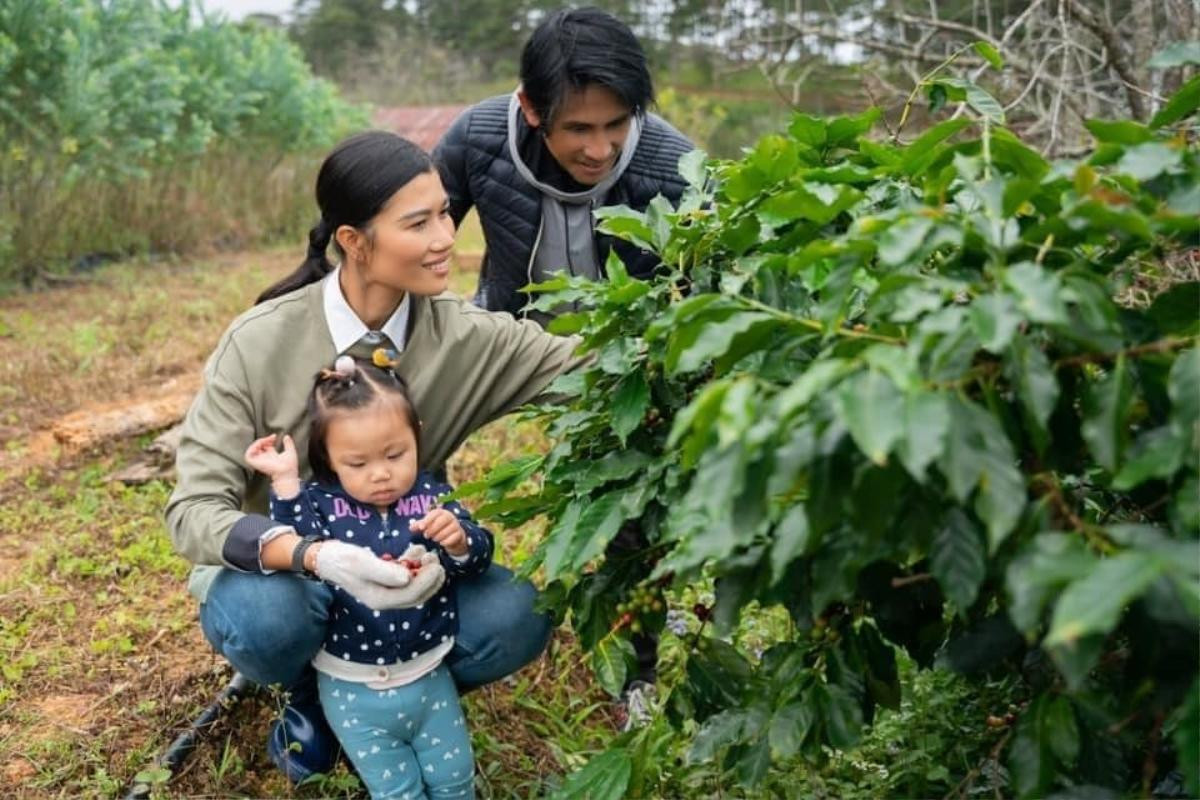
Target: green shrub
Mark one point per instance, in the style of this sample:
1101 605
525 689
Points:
101 103
886 388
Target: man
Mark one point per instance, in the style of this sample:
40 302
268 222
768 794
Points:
575 135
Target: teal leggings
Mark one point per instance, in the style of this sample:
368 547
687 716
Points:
408 743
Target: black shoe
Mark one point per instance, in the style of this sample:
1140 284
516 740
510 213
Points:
301 743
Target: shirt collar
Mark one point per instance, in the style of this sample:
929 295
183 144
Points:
345 328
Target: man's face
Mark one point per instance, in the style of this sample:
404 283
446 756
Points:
587 133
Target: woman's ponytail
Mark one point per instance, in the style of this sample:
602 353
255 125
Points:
316 264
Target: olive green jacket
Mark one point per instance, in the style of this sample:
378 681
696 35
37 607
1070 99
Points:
464 367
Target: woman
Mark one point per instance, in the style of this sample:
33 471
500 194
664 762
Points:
386 214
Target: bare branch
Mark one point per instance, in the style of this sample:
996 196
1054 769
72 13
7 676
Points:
1116 56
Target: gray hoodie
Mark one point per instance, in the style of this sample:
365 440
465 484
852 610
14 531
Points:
566 239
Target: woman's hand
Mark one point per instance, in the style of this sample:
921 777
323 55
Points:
283 468
442 527
377 583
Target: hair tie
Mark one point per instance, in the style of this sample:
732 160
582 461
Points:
385 358
344 370
318 238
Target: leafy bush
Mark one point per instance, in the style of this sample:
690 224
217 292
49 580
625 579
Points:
887 389
131 95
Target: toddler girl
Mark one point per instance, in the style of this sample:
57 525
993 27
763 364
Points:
392 704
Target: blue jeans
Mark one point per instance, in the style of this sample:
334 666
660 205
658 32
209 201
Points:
270 626
407 743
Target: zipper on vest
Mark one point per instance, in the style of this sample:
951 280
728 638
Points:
537 240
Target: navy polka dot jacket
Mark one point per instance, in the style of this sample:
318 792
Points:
361 634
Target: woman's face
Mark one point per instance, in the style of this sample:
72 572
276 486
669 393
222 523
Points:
409 241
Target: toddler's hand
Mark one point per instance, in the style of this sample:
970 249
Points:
442 527
283 468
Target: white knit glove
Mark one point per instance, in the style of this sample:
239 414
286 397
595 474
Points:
378 584
432 574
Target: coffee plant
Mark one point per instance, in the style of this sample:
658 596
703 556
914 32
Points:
888 389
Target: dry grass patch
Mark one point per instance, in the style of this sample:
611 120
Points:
134 328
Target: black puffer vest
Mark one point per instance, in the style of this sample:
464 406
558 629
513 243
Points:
477 170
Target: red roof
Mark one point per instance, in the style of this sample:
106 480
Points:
423 125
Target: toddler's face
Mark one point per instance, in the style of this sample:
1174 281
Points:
373 452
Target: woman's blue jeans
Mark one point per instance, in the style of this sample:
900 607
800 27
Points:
270 626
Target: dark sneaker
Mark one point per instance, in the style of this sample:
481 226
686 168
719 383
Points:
301 743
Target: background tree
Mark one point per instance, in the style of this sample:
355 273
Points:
1067 60
333 32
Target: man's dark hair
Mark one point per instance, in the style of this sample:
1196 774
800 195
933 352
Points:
575 48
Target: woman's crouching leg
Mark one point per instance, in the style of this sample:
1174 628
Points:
268 626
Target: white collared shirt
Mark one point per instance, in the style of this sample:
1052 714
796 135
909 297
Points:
345 328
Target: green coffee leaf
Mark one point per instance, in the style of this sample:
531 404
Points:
990 53
840 713
1182 104
1174 311
1183 387
873 410
791 539
1119 131
604 777
1062 730
754 761
1035 380
560 542
958 560
1158 453
611 661
1149 160
807 130
904 238
598 524
717 673
718 732
917 156
703 340
629 404
926 423
1093 603
692 168
625 223
979 454
1045 565
844 130
1030 761
790 727
995 319
1106 410
1039 293
976 97
811 382
1187 738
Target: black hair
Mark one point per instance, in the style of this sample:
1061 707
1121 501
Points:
576 48
355 182
333 392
